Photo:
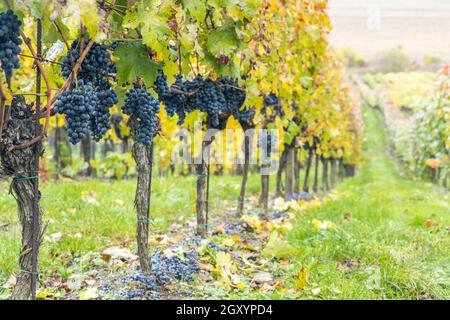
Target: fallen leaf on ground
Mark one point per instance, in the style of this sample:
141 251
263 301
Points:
206 266
89 197
119 202
118 253
262 277
266 287
10 283
348 217
301 280
89 294
430 223
322 225
253 221
90 282
277 247
173 227
46 293
220 228
280 204
315 291
348 265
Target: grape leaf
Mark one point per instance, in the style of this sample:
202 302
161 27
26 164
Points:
197 9
277 247
135 62
223 41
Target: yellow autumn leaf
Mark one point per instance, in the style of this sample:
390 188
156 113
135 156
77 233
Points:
253 221
280 204
301 280
322 225
89 294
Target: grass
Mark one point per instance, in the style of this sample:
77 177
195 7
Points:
391 252
397 255
92 214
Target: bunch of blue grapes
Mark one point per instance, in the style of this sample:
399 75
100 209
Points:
142 107
218 99
100 120
210 99
96 64
245 116
9 42
235 98
271 100
175 103
92 76
78 105
167 269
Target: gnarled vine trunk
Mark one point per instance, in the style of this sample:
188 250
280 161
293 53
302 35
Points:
297 166
264 198
325 185
143 156
307 170
316 174
333 172
279 182
341 169
22 166
290 170
245 170
202 191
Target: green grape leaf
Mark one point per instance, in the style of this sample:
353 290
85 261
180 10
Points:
223 41
89 16
135 62
197 9
151 19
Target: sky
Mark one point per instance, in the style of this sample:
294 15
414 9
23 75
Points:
421 27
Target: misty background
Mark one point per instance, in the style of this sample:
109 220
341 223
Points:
420 27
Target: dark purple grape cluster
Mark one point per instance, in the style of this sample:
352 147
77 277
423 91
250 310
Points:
78 105
142 107
9 42
149 281
218 99
93 76
96 65
235 97
100 121
175 103
210 99
272 101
